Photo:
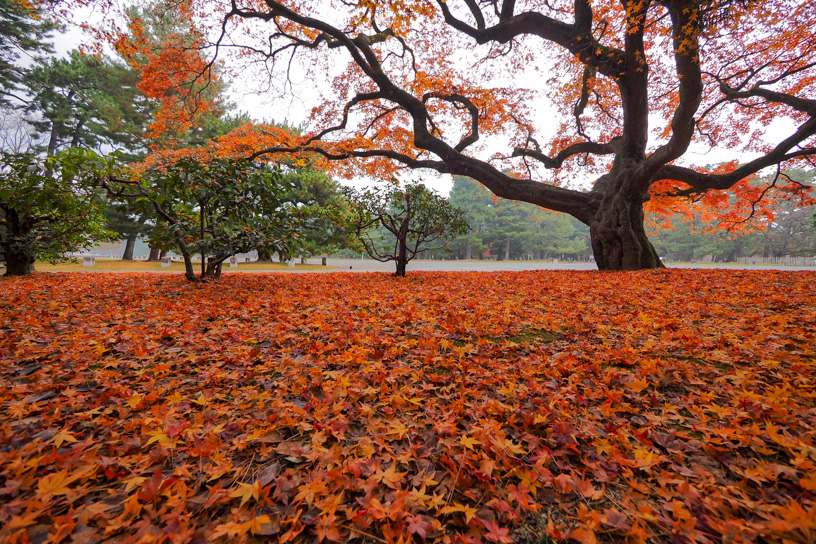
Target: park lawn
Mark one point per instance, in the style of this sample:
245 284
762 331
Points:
671 406
118 265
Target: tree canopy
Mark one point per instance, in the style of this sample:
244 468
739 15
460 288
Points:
631 86
217 209
87 101
49 207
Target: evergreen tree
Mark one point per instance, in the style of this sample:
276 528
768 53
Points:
49 207
396 224
88 102
511 229
318 200
23 33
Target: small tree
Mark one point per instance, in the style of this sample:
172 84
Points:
49 207
416 219
216 208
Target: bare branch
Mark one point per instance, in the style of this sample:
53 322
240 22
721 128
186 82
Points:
552 163
471 138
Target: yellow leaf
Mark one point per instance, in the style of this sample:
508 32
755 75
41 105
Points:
246 492
135 481
398 429
157 435
469 442
95 509
638 385
389 476
505 444
54 484
256 525
61 437
468 511
18 522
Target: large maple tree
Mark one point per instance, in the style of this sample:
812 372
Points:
633 86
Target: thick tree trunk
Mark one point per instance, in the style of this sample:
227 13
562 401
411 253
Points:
18 263
154 254
264 255
130 244
618 236
468 252
214 267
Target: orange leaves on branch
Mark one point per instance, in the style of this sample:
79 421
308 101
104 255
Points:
749 204
332 408
174 72
241 142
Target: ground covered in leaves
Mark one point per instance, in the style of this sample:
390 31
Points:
466 407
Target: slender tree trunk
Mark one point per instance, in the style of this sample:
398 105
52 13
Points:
402 258
468 252
203 257
77 134
507 249
130 244
618 236
52 141
189 271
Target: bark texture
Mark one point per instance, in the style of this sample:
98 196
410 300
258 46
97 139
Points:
18 264
618 237
130 244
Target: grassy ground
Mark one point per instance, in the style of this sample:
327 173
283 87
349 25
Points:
118 265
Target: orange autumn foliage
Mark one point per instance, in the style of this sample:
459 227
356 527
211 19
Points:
173 72
242 142
448 407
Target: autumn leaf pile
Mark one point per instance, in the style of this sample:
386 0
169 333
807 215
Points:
674 406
